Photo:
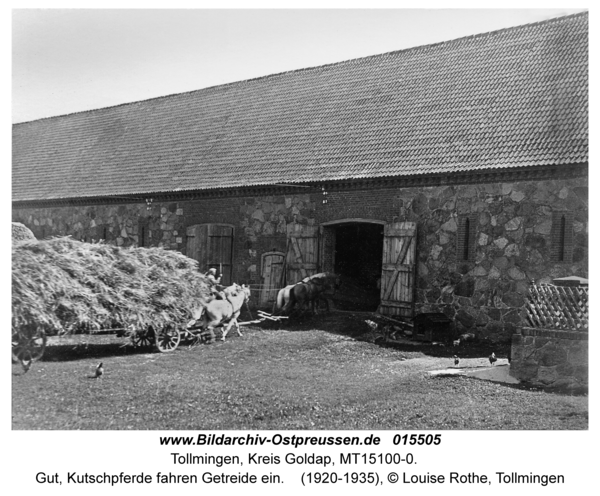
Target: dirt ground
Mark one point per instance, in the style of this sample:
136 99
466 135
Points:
324 372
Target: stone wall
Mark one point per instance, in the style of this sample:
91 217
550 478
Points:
511 239
512 243
260 224
557 359
121 225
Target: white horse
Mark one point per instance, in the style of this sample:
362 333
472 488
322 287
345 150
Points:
223 313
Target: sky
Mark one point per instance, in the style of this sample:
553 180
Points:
68 60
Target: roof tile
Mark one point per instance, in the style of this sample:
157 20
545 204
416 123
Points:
515 97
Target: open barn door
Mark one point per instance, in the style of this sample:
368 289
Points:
398 269
302 252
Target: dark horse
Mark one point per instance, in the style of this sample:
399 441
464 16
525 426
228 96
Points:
309 291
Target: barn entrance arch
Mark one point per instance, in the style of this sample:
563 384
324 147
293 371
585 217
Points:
353 248
375 259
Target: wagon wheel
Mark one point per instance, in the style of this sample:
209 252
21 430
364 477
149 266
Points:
144 337
167 338
28 343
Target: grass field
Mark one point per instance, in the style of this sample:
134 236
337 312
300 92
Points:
317 374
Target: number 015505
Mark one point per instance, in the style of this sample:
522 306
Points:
418 439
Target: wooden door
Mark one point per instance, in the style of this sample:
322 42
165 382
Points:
212 246
272 268
398 269
196 244
302 252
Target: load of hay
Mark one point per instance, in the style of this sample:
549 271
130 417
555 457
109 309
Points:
64 286
21 232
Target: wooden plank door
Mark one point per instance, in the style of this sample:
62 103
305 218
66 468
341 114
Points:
212 246
220 251
272 267
196 237
302 256
398 269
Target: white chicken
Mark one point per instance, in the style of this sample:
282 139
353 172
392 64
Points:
26 363
371 324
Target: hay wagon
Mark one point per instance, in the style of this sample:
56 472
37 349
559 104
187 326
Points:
29 341
61 286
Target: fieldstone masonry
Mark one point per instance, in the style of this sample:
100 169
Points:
263 225
115 224
549 358
486 293
269 216
511 235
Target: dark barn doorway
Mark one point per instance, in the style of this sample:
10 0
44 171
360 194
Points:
358 259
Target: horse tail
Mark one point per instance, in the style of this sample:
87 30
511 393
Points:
291 298
280 302
280 296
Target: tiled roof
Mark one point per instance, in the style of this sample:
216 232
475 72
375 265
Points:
510 98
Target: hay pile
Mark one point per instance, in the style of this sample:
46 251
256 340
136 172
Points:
65 285
21 232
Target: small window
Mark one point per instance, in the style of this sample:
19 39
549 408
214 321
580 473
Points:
465 242
562 237
143 232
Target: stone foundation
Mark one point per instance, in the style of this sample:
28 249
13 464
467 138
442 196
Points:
556 359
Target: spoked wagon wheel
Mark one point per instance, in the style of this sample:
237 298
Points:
143 337
28 343
167 338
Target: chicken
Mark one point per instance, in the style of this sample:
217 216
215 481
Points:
99 370
26 363
371 324
456 361
375 334
492 359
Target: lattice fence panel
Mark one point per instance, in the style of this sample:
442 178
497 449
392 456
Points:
558 307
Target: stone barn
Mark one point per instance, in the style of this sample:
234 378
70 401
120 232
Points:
441 178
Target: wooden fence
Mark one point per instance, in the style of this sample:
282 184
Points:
558 307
